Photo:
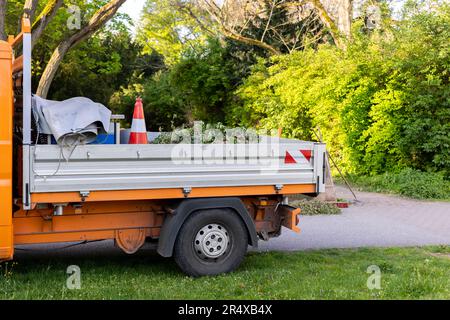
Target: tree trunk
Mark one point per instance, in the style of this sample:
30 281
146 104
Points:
51 68
100 18
2 19
29 9
339 18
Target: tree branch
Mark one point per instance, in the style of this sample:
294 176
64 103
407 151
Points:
272 7
44 18
221 17
188 10
254 42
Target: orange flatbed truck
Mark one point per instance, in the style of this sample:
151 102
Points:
202 204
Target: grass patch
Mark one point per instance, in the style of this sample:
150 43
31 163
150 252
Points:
408 182
315 207
407 273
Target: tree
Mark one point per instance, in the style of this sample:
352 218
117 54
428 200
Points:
29 10
206 78
44 18
2 19
111 60
275 26
98 20
234 17
10 10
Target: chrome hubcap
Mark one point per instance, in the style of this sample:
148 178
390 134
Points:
211 241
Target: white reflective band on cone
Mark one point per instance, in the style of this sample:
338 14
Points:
138 125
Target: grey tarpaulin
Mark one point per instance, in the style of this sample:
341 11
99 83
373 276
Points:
76 119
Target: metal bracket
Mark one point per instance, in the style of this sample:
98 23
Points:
84 195
187 191
264 235
278 188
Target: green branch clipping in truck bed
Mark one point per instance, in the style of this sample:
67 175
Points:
207 134
315 207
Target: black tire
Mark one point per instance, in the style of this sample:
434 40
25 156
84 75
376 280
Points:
193 260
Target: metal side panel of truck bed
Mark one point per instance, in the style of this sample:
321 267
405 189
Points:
132 167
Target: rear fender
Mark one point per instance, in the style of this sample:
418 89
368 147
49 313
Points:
173 222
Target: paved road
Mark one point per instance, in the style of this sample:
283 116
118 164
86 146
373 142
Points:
376 221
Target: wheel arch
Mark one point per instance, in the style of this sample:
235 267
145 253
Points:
172 224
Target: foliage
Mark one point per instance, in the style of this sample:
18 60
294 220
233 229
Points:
199 87
163 105
407 182
98 67
57 30
383 104
168 30
108 60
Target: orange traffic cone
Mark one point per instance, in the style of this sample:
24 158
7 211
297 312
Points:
138 134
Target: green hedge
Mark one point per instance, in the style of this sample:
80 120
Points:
383 104
407 182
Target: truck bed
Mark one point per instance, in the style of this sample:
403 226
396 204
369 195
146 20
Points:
153 166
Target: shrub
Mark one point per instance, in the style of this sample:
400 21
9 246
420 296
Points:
407 182
382 105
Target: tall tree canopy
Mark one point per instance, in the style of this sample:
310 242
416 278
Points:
94 15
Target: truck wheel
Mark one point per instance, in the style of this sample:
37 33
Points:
211 242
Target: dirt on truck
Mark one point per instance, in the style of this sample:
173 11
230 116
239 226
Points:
202 203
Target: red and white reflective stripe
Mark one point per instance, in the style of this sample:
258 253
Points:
307 154
297 156
138 125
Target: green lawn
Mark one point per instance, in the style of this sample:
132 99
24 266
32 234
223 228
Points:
416 273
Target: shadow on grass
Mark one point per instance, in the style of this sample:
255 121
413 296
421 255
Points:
91 257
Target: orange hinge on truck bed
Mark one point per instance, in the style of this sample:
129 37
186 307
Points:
6 130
